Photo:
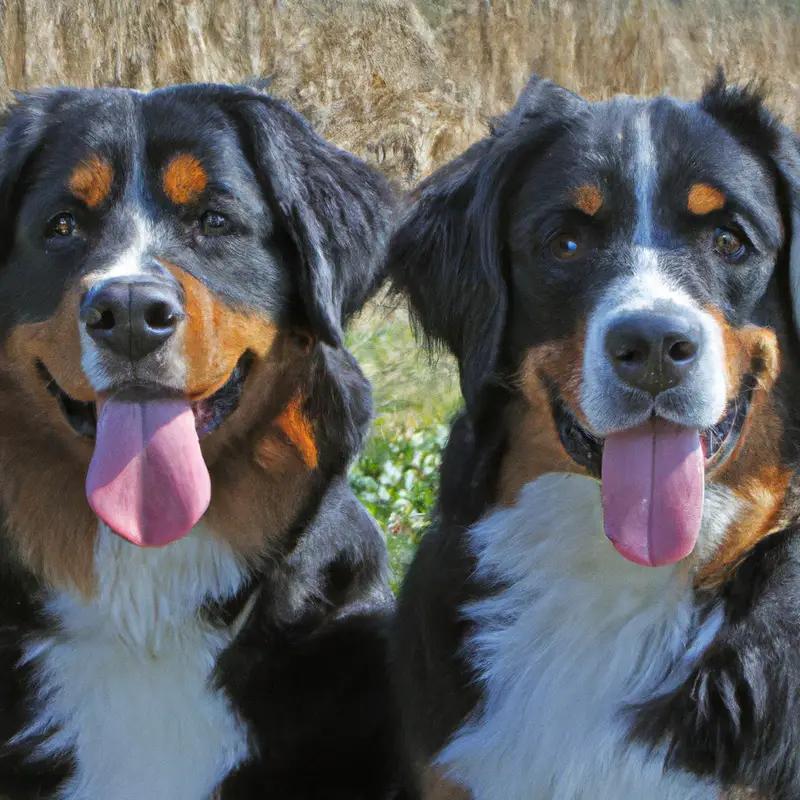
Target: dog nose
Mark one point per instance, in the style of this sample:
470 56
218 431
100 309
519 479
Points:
132 317
653 351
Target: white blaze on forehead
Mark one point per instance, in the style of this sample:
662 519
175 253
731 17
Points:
644 285
645 174
131 260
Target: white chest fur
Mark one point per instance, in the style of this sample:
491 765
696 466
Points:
578 635
124 684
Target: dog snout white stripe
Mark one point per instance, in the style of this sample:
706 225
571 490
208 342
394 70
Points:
131 262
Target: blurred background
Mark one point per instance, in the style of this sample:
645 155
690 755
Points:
407 85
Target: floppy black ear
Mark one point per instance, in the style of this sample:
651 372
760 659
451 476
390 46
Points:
336 209
742 111
447 253
22 124
788 163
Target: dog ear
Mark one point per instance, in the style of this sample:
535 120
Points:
447 253
337 211
22 125
741 110
788 163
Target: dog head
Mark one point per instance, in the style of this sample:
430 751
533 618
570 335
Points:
183 263
621 273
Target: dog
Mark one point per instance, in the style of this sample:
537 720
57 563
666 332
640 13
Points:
607 605
193 604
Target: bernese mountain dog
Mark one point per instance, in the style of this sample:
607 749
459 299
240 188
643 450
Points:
608 604
193 604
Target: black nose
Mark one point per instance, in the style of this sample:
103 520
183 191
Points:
132 317
653 351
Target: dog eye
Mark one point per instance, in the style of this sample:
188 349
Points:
213 223
566 247
729 244
61 225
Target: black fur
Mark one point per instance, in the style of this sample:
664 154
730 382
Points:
737 717
21 614
323 207
331 206
316 637
470 254
308 672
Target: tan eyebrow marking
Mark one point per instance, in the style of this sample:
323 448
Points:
703 199
587 199
91 180
184 179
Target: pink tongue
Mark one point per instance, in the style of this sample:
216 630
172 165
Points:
147 480
653 481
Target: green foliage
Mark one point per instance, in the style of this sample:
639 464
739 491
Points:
397 477
409 386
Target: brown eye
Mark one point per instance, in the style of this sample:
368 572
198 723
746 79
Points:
566 247
61 225
729 244
213 223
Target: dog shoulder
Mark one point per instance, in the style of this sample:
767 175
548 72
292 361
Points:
436 683
21 616
316 648
736 718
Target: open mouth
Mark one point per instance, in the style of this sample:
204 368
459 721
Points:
719 440
209 413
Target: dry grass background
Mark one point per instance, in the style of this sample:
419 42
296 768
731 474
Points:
404 83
